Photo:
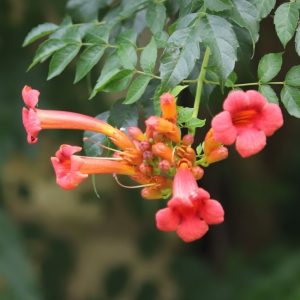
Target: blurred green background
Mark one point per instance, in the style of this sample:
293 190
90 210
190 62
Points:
70 245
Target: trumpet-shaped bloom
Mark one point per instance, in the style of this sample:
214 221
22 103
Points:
213 150
247 119
34 120
190 210
72 169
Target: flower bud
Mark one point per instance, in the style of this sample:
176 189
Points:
198 172
164 165
188 140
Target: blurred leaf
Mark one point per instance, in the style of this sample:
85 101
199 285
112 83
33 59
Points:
155 17
93 140
297 41
16 275
45 50
61 59
184 114
268 93
126 49
269 66
265 7
231 80
119 84
177 64
293 76
285 20
87 60
245 14
38 32
108 78
218 35
290 97
184 21
97 34
123 116
137 89
148 57
86 10
193 123
218 5
178 89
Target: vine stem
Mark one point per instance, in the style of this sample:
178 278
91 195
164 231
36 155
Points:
200 82
245 84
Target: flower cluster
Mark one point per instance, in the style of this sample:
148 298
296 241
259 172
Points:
159 159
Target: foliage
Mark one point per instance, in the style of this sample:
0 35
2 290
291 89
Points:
104 37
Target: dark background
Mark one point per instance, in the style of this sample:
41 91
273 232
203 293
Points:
70 245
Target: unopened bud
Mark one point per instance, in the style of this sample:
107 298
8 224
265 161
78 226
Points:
144 146
188 140
148 156
168 107
151 193
145 169
198 172
164 165
136 133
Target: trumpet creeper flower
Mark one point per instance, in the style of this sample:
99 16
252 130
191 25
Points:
34 120
247 120
72 169
190 210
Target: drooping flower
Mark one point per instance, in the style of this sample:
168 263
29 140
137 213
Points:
247 119
190 210
72 169
213 150
34 120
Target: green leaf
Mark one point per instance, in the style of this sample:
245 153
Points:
126 49
109 78
184 21
265 7
178 60
156 17
45 50
61 59
87 60
231 80
184 114
290 97
118 84
148 57
97 34
285 20
123 116
245 14
137 89
293 76
297 41
218 5
199 149
218 35
269 66
194 123
38 32
178 89
268 93
93 140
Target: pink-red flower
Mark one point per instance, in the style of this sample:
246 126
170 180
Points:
34 120
247 119
190 210
72 169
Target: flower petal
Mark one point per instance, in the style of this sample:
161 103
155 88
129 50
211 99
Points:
250 141
30 96
236 101
256 100
224 131
191 229
31 124
167 219
212 212
271 119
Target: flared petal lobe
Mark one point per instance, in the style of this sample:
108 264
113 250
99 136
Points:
190 210
247 119
30 96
